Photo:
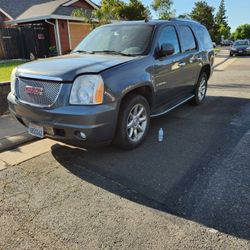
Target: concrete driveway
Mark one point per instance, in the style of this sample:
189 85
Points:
189 192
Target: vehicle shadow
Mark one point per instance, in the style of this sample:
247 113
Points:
189 174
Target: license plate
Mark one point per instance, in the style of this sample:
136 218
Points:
36 130
240 51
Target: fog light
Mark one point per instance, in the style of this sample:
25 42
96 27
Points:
83 136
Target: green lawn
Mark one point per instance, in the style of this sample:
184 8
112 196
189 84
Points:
6 68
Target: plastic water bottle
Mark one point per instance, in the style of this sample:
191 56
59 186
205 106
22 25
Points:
160 135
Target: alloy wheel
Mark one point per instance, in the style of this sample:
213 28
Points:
137 123
202 89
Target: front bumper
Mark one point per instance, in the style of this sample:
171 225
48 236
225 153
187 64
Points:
97 122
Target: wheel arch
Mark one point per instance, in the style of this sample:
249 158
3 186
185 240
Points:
143 90
140 91
207 69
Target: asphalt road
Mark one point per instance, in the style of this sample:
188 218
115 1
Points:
192 191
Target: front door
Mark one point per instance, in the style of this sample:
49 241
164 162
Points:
169 78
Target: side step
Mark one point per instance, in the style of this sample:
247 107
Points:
167 108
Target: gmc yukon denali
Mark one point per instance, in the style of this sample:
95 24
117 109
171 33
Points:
110 86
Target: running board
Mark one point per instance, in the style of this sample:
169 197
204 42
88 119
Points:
163 112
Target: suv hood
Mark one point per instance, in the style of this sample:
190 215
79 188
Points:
69 66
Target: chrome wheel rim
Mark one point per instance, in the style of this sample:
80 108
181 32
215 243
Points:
137 123
202 89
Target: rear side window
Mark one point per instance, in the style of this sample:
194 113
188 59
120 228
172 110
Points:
203 37
187 38
169 35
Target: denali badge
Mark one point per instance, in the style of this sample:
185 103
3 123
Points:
33 90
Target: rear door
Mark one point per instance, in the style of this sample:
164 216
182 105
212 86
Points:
191 60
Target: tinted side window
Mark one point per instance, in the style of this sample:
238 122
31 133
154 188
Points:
169 35
203 37
187 37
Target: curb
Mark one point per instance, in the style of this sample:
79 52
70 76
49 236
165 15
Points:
11 142
223 61
218 64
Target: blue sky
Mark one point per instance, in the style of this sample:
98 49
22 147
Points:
238 12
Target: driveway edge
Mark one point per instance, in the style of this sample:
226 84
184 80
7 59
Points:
11 142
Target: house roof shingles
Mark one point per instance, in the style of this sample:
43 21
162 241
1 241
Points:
44 9
36 8
16 7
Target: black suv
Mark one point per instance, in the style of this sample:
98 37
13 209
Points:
240 47
113 82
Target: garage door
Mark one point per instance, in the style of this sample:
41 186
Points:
77 31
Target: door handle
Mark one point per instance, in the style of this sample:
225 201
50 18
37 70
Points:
181 64
194 58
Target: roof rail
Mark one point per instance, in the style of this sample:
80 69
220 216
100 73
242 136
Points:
183 20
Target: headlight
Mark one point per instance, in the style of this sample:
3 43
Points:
248 48
13 81
87 90
234 48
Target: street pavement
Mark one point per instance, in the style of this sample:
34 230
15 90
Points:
190 191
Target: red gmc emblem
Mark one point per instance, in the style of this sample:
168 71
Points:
33 90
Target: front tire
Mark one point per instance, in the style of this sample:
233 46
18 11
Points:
133 122
200 89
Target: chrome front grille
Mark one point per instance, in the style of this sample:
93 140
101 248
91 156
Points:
40 93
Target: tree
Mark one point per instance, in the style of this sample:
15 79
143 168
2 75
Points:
102 18
224 31
204 14
185 16
109 10
163 8
242 32
221 22
134 10
221 17
114 10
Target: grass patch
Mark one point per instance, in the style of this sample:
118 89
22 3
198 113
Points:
7 67
216 50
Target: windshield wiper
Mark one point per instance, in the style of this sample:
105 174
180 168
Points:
114 52
82 51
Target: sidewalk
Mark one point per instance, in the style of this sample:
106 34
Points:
12 133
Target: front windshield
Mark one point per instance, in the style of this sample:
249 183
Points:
238 43
124 39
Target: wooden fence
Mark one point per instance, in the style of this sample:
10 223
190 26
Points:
21 42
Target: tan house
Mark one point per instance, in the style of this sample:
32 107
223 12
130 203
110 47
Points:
65 31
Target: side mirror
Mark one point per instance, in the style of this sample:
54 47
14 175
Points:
166 49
